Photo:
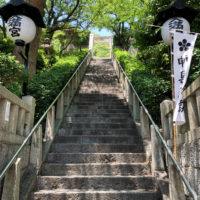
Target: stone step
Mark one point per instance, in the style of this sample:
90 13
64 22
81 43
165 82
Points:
91 91
98 132
104 115
96 148
100 107
100 103
89 84
97 111
92 125
106 97
98 139
96 158
98 100
96 195
99 91
96 182
102 80
97 119
52 169
99 75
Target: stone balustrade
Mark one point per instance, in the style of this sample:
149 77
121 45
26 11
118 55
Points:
172 188
16 122
188 135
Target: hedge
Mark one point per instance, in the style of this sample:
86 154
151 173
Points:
45 86
151 88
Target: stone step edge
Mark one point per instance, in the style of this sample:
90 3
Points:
144 164
71 191
96 177
101 136
98 153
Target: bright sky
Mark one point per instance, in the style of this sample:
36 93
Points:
103 32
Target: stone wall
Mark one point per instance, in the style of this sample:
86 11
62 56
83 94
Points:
188 135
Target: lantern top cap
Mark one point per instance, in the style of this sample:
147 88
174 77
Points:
20 7
177 9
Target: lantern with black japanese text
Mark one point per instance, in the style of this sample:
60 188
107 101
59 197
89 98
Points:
173 23
21 29
176 16
22 19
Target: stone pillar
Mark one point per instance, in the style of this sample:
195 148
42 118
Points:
4 113
164 119
21 122
198 103
60 108
50 125
192 112
130 99
36 148
145 127
157 156
66 96
13 118
29 117
176 189
136 108
12 182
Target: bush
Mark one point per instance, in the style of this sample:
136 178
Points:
44 87
44 61
151 88
152 91
6 45
12 74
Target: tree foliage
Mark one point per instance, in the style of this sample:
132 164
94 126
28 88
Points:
67 14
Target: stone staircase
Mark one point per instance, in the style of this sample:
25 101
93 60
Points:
97 154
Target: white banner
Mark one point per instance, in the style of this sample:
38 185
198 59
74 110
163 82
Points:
183 50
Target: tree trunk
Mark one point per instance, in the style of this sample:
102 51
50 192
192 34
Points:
40 4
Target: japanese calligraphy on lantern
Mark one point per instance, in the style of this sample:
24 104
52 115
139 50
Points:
183 50
176 23
14 26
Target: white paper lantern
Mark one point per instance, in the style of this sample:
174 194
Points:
173 23
21 27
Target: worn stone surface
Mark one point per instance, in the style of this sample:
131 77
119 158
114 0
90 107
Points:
98 153
12 182
96 158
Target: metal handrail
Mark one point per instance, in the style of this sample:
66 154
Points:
192 192
40 120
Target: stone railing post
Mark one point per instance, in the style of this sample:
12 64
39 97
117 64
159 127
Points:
60 108
29 117
176 190
4 114
136 108
66 97
130 98
12 182
192 112
165 119
145 126
157 156
21 122
50 125
36 148
198 103
13 118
